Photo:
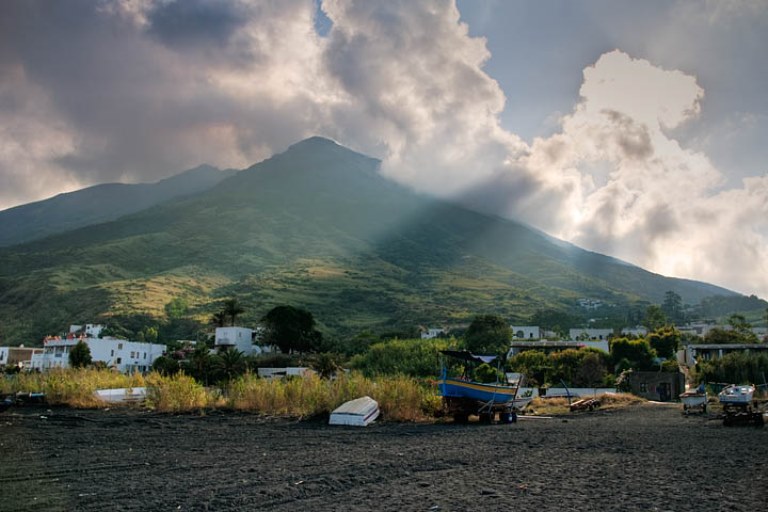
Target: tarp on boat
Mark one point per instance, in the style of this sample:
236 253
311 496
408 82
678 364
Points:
465 355
358 412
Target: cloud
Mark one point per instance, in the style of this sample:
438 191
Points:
415 85
645 198
135 90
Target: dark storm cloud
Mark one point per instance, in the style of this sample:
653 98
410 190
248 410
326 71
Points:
184 22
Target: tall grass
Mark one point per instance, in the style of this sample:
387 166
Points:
73 387
400 398
178 393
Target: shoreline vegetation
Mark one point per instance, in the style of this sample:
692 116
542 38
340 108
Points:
400 398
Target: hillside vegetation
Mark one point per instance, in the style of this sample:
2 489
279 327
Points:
317 227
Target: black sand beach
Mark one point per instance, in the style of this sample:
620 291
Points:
647 457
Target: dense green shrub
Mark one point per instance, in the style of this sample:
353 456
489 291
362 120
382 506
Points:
416 358
638 352
736 368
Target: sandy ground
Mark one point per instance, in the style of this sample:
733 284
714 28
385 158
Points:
647 457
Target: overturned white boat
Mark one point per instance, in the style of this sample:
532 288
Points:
359 412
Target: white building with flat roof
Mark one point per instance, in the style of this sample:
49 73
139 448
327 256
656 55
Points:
123 355
89 330
525 332
432 332
240 339
590 334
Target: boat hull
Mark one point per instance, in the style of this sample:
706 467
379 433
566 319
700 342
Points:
736 395
486 393
693 400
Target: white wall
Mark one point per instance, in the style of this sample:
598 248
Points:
240 338
126 356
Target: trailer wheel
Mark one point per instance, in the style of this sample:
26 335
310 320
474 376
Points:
487 417
460 418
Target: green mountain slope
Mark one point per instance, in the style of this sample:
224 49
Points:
316 227
100 203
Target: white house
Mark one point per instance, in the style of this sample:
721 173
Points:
590 334
691 354
126 356
240 339
20 356
89 330
526 332
432 333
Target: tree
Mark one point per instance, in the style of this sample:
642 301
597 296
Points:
534 364
637 352
488 334
739 324
232 309
665 341
291 329
200 364
80 355
673 306
218 319
166 365
326 364
654 318
176 308
230 363
591 371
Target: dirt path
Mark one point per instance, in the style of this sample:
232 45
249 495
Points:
642 458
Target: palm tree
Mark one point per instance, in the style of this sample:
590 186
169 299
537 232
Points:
232 308
200 364
230 363
219 319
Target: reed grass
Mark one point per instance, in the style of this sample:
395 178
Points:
179 393
400 398
73 387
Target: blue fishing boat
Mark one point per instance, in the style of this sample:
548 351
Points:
463 396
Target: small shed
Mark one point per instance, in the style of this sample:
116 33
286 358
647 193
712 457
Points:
658 386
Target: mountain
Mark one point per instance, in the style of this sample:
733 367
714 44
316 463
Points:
100 203
317 227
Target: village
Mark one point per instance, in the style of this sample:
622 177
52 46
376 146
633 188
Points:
128 357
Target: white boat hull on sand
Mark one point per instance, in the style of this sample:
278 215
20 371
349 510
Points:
359 412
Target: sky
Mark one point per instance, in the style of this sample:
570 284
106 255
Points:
633 129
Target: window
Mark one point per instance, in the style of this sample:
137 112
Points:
132 356
643 387
119 360
145 355
119 346
111 353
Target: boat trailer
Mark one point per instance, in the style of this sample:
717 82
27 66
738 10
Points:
751 413
461 408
